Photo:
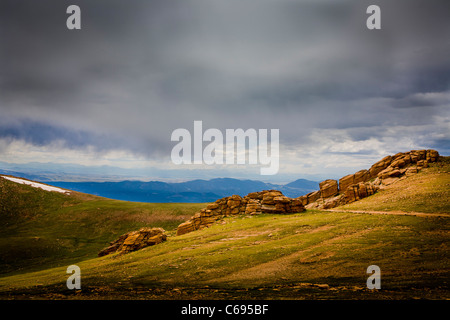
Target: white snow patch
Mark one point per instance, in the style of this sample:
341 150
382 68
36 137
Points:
36 185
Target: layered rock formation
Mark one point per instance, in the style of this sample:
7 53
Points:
364 183
328 188
135 240
267 201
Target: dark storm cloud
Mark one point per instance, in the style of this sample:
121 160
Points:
42 134
140 69
431 99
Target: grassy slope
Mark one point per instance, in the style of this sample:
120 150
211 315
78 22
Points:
428 192
276 256
272 255
41 229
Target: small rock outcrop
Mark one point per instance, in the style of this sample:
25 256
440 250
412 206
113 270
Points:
267 201
364 183
135 240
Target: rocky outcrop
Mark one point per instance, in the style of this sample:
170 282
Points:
379 166
359 191
405 164
360 176
332 193
364 183
267 201
135 240
328 188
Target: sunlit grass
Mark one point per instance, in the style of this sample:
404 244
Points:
268 250
428 192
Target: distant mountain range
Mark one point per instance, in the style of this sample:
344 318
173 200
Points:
193 191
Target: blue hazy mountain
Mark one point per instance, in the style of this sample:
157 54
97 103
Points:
303 184
189 191
192 191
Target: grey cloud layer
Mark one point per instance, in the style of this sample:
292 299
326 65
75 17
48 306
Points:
139 69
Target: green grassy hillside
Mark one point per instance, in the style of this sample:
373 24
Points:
309 255
41 229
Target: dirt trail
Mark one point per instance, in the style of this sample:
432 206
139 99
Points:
399 213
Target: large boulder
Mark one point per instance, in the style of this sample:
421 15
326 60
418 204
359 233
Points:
346 181
313 196
432 156
253 207
135 240
185 227
360 176
417 155
309 198
328 188
379 166
359 191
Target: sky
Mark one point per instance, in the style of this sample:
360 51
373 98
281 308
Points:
111 93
